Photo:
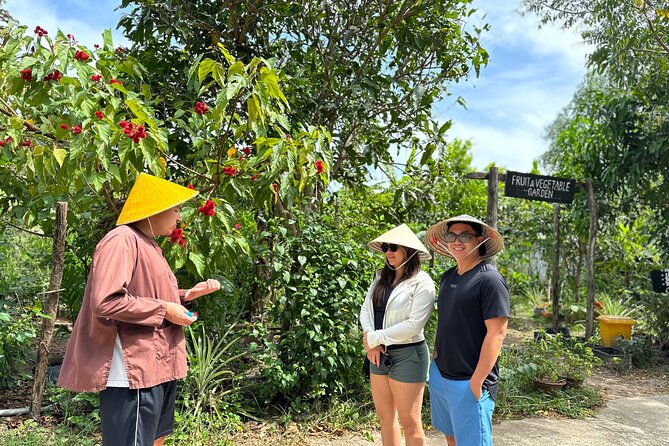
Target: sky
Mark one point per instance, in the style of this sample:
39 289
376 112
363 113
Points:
531 76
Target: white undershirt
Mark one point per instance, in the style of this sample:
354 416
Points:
118 376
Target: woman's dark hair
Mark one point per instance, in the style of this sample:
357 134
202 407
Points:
388 275
478 230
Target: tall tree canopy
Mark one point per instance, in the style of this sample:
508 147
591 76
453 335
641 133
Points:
616 128
367 70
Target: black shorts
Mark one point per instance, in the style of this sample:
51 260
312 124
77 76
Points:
137 417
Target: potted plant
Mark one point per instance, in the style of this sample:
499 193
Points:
579 361
547 355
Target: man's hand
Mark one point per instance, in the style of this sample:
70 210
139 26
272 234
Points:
178 314
202 289
476 388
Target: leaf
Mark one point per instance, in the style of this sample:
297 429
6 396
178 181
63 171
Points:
60 155
107 40
302 260
206 67
228 56
199 262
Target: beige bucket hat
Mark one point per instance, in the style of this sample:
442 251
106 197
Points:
401 235
436 236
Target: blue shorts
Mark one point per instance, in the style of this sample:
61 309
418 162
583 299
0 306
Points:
457 413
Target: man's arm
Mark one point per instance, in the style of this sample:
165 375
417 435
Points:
492 345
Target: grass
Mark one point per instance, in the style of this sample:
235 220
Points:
31 433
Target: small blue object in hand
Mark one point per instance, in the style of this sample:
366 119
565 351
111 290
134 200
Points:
189 313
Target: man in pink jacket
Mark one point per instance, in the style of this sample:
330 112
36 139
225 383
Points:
128 341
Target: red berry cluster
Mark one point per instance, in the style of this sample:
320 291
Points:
119 50
134 132
81 56
230 171
209 208
53 76
96 77
319 166
238 226
76 129
99 115
8 140
27 143
190 186
201 108
71 37
177 236
27 75
254 177
246 151
115 81
41 32
96 46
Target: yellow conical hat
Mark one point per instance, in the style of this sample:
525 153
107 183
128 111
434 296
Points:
150 196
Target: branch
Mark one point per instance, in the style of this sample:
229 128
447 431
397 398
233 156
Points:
24 229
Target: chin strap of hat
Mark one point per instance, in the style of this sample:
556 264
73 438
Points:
477 246
403 263
150 226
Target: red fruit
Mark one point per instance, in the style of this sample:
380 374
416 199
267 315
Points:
81 56
275 186
41 32
208 208
238 226
190 186
76 129
27 75
99 115
119 49
115 81
96 46
201 108
182 242
319 166
64 126
53 76
96 77
246 151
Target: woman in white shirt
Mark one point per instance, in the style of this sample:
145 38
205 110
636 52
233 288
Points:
399 303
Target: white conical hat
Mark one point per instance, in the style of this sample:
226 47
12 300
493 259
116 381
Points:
401 235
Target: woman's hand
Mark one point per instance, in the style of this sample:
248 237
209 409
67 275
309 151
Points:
202 289
374 355
178 314
364 342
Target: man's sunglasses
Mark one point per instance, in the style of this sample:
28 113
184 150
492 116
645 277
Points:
464 237
392 247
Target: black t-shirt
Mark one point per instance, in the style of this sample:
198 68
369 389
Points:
380 310
465 302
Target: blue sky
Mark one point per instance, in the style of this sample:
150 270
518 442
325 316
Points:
531 76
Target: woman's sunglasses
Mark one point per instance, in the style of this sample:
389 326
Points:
392 247
464 237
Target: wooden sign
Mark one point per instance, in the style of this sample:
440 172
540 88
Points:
660 278
539 187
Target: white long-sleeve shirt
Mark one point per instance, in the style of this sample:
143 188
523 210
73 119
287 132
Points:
409 308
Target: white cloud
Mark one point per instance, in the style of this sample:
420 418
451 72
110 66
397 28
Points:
532 75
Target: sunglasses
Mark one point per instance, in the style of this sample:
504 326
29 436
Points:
464 237
392 247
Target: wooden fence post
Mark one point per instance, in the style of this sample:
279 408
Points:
592 236
491 212
555 275
50 308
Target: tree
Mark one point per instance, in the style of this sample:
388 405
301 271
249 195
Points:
368 70
615 130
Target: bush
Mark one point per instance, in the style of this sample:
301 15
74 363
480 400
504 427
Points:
17 332
319 349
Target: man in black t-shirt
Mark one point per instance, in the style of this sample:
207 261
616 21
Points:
473 309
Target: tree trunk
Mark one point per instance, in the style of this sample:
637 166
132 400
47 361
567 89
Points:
50 307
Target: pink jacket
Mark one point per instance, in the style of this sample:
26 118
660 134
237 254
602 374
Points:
127 288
